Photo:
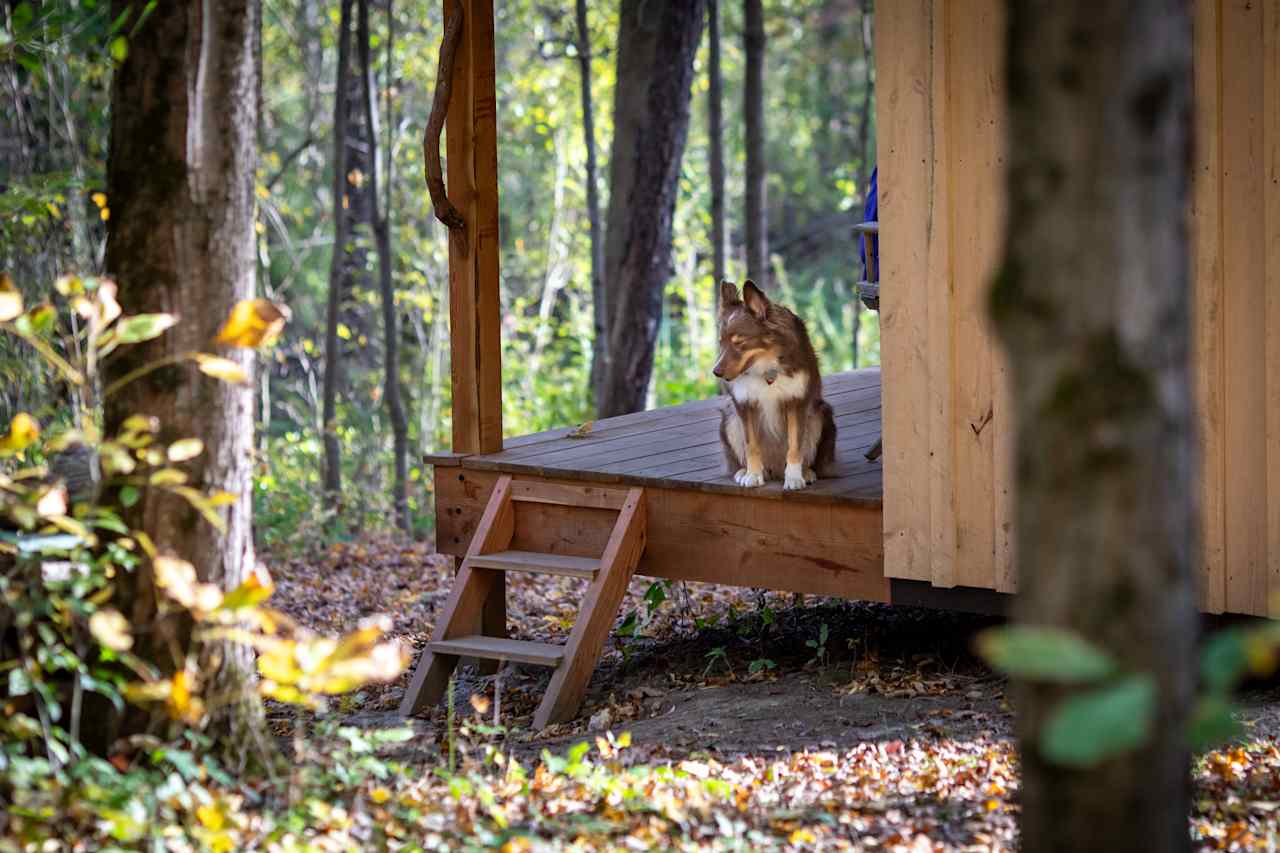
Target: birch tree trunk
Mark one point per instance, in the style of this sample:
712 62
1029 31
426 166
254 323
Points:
1092 306
657 42
753 40
181 240
600 318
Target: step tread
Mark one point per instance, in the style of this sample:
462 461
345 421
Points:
534 561
498 648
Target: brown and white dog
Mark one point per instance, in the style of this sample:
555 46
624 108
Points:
777 426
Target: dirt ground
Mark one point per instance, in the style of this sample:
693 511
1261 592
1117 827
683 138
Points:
738 677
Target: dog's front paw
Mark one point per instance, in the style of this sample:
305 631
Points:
810 475
794 478
749 479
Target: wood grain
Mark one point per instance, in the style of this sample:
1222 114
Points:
1206 306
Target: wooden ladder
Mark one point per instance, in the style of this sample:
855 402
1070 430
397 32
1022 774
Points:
461 629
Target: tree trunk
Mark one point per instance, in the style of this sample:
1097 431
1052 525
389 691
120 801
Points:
866 144
1092 305
341 237
753 115
181 240
599 343
657 42
382 238
715 140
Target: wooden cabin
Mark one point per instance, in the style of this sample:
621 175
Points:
931 522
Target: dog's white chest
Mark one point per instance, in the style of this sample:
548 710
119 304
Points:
750 388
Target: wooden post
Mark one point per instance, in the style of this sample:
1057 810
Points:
471 145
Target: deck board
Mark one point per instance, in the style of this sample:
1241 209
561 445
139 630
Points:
679 448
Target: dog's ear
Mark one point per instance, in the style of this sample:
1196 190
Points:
729 294
757 302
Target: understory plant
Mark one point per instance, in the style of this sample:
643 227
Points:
74 650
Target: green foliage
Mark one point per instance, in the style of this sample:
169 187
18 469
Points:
1115 711
1100 723
71 563
1044 654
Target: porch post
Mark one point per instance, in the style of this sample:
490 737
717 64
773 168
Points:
471 145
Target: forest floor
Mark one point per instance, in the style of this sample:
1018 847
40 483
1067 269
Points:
828 724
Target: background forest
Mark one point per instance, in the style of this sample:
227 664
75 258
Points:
819 109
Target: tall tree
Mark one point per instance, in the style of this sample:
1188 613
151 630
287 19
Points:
715 141
593 195
657 42
753 42
181 239
380 218
1092 306
337 261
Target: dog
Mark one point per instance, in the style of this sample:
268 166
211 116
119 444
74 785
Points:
776 425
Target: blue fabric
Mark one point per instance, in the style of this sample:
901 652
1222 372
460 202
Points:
869 214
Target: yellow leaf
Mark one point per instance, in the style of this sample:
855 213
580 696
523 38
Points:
52 502
624 740
262 191
344 331
582 431
211 817
100 199
222 499
187 448
222 368
176 577
108 307
168 477
23 431
379 795
182 703
253 323
256 589
480 703
69 284
105 214
111 629
802 836
142 423
10 299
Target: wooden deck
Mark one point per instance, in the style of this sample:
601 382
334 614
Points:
826 539
679 448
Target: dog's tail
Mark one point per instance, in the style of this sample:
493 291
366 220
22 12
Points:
825 458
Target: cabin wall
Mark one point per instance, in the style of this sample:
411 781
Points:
1236 231
948 439
948 504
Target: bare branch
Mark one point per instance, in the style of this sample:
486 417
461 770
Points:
444 209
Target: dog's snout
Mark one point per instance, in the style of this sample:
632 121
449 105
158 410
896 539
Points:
718 370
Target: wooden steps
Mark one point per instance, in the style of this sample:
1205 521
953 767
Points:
532 561
473 622
497 648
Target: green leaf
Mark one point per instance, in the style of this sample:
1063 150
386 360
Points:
19 682
143 327
1224 659
1212 724
1044 654
119 48
129 496
1101 723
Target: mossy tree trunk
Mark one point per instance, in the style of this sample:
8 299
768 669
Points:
1092 305
657 42
181 240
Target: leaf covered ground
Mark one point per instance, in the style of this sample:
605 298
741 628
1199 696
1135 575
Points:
720 718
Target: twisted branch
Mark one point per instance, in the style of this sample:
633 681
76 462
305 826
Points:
444 209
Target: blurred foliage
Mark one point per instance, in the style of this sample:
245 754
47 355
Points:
71 567
55 64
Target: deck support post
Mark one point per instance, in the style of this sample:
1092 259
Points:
471 139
